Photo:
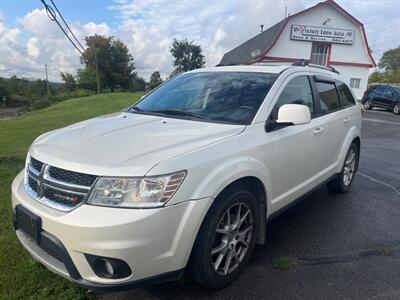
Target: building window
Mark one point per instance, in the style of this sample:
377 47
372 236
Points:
319 54
355 83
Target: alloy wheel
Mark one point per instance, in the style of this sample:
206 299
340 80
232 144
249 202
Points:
396 109
349 167
232 238
367 104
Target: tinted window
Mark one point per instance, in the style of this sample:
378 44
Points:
297 91
388 90
228 97
328 97
345 95
379 89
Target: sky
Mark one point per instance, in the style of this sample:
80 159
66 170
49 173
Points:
29 39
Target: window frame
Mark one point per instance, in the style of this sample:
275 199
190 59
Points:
328 46
338 83
313 115
321 78
355 81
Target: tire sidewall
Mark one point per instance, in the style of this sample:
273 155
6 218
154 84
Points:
368 104
342 185
398 109
210 224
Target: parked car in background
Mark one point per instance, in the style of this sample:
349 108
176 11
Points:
383 96
187 178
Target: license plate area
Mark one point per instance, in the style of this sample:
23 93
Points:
28 222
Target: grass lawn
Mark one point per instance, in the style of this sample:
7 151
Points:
21 277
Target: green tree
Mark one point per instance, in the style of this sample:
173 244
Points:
86 78
187 56
115 63
4 92
38 88
69 81
155 80
375 77
390 59
138 84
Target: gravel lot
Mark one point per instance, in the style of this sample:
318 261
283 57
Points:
344 246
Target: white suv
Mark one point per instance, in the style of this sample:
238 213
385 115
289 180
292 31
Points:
186 179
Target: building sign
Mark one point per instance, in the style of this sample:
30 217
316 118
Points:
322 34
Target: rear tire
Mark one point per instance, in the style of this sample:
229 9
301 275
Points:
396 109
368 104
343 182
226 239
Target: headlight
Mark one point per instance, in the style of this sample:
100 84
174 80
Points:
136 192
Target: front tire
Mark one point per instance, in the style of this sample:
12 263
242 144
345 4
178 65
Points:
226 239
368 104
396 109
343 182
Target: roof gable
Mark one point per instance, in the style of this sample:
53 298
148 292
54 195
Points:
254 47
264 41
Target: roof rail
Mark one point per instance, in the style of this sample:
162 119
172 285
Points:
303 63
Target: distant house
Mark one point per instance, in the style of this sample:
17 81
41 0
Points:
324 34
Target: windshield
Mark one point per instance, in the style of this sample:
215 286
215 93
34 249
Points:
227 97
397 89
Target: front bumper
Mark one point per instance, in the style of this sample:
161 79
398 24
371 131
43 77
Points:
155 243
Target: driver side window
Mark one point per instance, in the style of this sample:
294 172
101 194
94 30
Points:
297 91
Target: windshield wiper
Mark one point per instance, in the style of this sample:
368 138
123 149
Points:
138 109
175 111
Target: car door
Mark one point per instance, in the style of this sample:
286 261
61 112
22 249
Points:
379 93
335 122
294 152
387 97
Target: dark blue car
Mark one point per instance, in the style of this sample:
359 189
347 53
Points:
384 96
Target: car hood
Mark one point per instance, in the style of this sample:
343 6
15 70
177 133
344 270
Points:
125 144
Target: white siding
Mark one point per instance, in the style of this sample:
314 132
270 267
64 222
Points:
356 53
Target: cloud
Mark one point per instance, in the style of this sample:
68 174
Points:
46 45
148 27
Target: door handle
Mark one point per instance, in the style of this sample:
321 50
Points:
345 120
318 130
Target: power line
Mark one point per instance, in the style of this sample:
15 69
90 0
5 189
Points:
52 16
67 25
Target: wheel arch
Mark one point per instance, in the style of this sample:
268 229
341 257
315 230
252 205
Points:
256 187
352 136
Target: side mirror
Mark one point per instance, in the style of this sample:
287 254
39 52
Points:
294 114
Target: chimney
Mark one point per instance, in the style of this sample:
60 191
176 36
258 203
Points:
262 27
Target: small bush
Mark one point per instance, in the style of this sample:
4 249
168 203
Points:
81 93
42 103
283 263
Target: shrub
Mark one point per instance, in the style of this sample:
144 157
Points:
42 103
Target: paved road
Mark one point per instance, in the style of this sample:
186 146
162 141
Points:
345 246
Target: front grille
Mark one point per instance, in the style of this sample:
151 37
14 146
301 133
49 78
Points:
64 198
72 177
55 187
37 165
33 184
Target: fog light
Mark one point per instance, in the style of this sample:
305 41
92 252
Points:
107 267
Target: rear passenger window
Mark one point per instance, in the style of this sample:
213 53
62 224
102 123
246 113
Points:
345 95
297 91
328 97
379 89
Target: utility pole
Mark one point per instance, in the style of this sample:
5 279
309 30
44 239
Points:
97 72
47 81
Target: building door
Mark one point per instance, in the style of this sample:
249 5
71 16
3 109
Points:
320 54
